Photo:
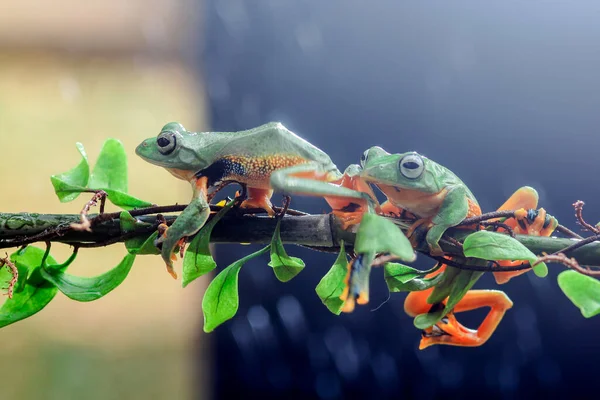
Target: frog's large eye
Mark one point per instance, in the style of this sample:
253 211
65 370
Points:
363 158
411 166
166 143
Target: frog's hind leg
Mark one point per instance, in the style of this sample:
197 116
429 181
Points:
450 332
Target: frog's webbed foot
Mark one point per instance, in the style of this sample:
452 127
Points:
259 198
526 222
348 218
451 332
162 237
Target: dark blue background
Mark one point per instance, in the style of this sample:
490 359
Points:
504 94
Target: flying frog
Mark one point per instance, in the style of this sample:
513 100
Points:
262 159
438 197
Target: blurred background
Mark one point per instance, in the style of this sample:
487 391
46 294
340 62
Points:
504 94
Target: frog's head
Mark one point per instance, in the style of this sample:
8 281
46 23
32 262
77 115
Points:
173 148
401 171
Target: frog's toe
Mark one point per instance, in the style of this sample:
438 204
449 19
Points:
534 222
264 204
347 218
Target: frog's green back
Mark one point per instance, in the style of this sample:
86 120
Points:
447 177
269 140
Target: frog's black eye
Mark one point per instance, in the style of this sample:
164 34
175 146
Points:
363 158
411 166
166 143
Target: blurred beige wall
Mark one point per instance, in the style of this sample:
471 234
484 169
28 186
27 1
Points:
85 71
108 25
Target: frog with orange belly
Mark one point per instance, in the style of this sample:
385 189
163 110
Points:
440 200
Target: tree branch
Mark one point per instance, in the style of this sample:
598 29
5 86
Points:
320 232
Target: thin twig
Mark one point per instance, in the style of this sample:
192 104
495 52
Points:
484 217
85 223
14 272
572 263
578 205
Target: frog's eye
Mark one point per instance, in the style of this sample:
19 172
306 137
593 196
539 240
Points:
411 166
363 158
166 143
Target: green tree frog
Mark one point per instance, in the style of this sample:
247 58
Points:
263 159
439 198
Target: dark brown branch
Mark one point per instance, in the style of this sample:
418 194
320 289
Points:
319 232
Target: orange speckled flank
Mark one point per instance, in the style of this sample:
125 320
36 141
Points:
257 170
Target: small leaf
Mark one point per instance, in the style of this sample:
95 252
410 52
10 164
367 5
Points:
378 234
90 289
332 285
221 301
141 245
68 185
110 171
496 246
284 266
198 260
125 200
582 290
400 272
463 282
32 297
127 222
423 321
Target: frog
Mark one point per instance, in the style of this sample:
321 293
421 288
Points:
263 159
435 196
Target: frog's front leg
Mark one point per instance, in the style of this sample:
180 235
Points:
455 208
190 221
310 179
350 211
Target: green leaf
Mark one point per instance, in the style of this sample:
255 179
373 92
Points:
582 290
221 301
32 297
423 321
400 272
378 234
127 222
461 284
68 185
402 278
497 246
284 266
110 175
125 200
445 285
89 288
332 285
198 260
110 171
142 245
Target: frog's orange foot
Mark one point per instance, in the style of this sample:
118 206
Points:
262 203
535 222
348 218
526 222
